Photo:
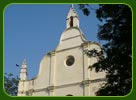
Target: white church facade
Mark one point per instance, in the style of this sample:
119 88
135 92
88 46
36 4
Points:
64 71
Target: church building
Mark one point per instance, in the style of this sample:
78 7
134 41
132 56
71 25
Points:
64 71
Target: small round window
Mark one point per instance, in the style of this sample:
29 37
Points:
70 61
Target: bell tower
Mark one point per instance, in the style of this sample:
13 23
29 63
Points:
23 71
72 18
23 79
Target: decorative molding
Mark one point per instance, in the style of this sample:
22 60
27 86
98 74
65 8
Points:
23 80
23 68
85 44
39 90
53 53
85 83
52 88
98 80
71 37
68 48
73 17
90 42
81 33
29 92
21 92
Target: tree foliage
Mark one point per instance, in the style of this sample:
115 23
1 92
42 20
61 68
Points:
84 8
11 84
116 30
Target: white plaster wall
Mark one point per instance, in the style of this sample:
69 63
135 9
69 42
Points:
96 75
41 93
70 38
26 86
42 80
69 74
64 75
93 60
94 87
20 86
76 22
70 43
23 74
70 33
74 90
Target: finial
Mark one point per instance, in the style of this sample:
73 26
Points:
72 5
24 62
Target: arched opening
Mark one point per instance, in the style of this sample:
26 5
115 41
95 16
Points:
69 95
71 21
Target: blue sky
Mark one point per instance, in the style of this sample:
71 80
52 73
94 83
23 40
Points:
32 30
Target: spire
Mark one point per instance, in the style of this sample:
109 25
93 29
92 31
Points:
72 18
23 70
72 5
24 62
72 12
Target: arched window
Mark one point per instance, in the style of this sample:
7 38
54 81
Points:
71 21
69 95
